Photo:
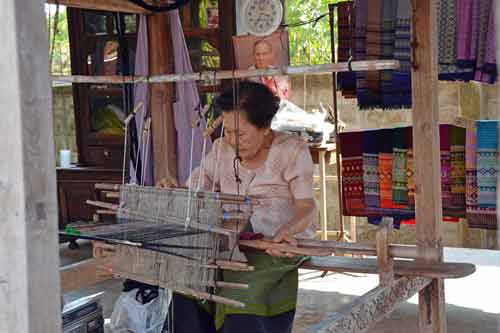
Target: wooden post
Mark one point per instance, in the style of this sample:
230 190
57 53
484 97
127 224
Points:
162 96
385 261
227 28
29 259
426 147
323 205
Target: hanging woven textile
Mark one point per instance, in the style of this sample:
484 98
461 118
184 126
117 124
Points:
399 169
482 181
360 47
371 178
457 176
345 16
410 169
487 163
444 137
385 168
352 172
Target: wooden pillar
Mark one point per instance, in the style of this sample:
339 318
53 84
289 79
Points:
426 147
161 61
29 259
227 28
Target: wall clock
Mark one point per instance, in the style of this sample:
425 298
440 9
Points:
262 17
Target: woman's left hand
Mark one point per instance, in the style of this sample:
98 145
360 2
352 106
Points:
284 236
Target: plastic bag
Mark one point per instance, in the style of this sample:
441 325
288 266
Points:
131 315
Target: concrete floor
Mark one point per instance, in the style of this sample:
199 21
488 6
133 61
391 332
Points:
473 303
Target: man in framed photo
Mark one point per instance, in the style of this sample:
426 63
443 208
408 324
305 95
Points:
263 56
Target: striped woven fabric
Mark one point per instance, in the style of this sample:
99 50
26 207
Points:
346 80
399 167
410 171
470 170
457 176
385 168
371 178
444 137
487 163
351 149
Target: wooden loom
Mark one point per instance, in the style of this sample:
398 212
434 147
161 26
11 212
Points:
425 274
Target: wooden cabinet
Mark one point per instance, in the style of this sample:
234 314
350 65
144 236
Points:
75 186
101 43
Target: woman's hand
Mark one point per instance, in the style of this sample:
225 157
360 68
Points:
296 225
284 235
167 182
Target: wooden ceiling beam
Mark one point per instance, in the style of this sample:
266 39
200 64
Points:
123 6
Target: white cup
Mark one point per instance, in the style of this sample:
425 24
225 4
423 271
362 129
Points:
65 158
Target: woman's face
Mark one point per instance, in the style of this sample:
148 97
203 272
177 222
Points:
251 138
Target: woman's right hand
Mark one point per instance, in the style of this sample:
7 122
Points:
167 182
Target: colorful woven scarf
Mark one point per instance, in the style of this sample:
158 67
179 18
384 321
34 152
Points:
487 72
369 93
470 170
471 173
361 13
481 171
401 78
485 9
351 148
389 9
465 22
457 176
410 169
447 43
346 80
444 137
487 163
399 167
385 168
371 178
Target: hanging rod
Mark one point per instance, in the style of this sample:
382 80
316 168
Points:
356 66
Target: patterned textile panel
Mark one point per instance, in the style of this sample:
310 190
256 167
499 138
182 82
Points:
351 149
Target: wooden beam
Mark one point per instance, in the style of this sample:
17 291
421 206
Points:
83 274
29 258
162 97
426 150
123 6
401 267
359 66
370 308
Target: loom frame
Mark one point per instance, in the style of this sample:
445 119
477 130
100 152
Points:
29 313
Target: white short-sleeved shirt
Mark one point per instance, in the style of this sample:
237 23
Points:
287 174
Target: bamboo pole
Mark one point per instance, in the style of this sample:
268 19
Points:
358 66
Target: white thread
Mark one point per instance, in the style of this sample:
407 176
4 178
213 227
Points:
217 159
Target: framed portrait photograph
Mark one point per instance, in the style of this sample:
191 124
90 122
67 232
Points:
252 52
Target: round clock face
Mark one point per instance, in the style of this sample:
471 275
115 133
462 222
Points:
262 17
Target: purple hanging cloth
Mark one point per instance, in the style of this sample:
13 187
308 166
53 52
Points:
465 21
186 105
141 95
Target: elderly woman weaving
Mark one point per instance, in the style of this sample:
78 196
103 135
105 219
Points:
277 166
